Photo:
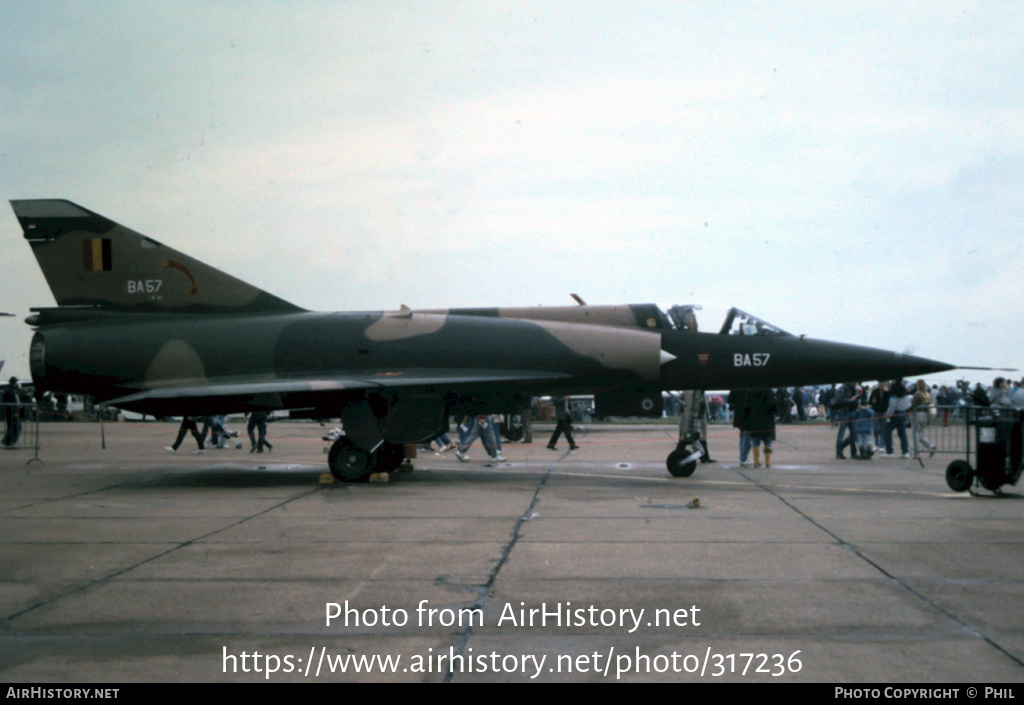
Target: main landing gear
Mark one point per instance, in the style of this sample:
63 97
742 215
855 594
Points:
350 463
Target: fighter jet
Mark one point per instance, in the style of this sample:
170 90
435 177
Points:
143 327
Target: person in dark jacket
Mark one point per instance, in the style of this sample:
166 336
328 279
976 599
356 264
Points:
844 404
188 424
879 403
12 411
798 398
258 422
782 403
737 402
826 402
896 414
760 423
563 424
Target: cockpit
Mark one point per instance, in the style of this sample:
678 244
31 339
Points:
737 322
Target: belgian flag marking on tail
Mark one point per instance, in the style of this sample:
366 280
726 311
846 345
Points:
96 254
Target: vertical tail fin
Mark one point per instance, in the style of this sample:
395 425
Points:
91 261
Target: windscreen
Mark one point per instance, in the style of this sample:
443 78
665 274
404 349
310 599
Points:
739 322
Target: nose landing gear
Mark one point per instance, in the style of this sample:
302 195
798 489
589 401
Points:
683 460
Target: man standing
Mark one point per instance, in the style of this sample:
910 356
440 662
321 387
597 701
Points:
737 401
844 404
798 398
896 414
526 419
760 410
12 412
879 403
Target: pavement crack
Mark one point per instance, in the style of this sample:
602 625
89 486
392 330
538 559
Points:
488 587
840 541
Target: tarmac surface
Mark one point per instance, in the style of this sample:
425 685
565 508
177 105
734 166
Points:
128 563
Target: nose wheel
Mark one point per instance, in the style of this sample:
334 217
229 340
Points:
683 460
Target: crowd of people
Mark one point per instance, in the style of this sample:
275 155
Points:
821 401
867 417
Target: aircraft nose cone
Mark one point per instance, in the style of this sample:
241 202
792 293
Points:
746 362
921 365
875 364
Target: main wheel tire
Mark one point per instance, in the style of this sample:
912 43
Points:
348 462
959 475
675 464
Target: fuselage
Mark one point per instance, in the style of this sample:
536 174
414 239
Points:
109 359
115 357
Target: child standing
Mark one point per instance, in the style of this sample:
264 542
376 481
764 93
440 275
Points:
863 426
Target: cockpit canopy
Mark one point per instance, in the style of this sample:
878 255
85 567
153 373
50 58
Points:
737 322
682 316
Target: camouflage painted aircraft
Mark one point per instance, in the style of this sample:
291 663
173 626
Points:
142 327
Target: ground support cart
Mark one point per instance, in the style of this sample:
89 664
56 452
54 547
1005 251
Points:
999 440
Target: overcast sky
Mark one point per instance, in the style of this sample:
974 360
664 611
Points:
851 171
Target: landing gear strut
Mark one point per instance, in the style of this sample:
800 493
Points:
692 423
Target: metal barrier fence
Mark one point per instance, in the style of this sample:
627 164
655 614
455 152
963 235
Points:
949 433
21 428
